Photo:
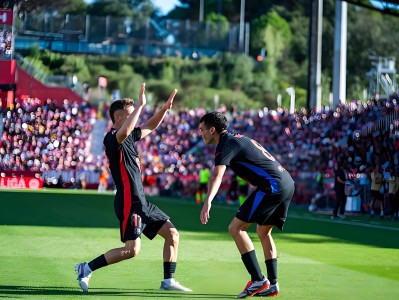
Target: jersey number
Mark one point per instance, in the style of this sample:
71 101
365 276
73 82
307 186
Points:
263 150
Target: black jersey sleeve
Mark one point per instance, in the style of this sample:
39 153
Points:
224 154
111 144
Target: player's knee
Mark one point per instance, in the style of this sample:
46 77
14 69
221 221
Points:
174 235
233 230
133 251
136 250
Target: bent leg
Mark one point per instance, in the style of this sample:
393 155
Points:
131 249
270 252
171 246
265 235
238 230
170 250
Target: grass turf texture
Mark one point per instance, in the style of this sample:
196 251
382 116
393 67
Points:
44 233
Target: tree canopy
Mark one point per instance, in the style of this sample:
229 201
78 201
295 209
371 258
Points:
281 27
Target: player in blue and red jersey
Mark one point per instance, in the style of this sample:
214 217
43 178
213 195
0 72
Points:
267 205
136 215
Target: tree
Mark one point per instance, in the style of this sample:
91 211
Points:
231 8
122 8
68 6
110 8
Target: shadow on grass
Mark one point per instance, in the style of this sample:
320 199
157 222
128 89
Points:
49 208
92 210
8 291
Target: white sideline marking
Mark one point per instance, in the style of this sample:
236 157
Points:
295 216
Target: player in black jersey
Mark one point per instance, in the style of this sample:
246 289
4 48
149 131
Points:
266 206
136 215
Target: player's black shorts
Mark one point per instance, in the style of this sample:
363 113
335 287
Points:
264 208
146 219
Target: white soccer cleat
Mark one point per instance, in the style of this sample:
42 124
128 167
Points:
172 285
84 273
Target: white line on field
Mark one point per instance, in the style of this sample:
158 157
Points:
295 216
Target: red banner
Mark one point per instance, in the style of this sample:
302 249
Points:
31 183
6 17
7 74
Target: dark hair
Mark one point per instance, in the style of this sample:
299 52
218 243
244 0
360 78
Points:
215 119
117 105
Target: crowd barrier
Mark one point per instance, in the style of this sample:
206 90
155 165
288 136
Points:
160 184
32 183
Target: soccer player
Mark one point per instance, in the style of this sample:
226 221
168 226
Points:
267 205
136 215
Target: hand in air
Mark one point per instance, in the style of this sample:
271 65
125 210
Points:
142 98
169 103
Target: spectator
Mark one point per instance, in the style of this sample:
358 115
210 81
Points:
233 192
103 180
204 175
339 188
393 192
244 189
377 190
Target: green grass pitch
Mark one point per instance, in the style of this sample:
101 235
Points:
44 233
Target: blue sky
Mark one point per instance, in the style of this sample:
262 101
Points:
164 5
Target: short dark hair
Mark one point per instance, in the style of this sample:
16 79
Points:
119 104
215 119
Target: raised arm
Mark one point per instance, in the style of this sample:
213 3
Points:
130 123
213 187
157 118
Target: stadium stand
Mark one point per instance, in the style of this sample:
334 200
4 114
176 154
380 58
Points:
51 139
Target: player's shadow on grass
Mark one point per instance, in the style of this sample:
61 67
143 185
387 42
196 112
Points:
9 291
96 211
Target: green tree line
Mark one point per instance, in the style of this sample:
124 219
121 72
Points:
280 27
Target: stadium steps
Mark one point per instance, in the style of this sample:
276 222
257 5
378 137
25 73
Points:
98 136
35 83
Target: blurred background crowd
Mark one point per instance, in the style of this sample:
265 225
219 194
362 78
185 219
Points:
57 143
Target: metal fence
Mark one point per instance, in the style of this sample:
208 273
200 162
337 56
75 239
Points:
116 35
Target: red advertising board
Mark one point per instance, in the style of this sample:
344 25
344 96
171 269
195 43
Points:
6 17
7 74
31 183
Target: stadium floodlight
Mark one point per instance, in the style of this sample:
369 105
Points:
291 91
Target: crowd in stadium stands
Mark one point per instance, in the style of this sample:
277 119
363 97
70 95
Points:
40 137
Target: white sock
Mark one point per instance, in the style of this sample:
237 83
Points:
87 269
169 281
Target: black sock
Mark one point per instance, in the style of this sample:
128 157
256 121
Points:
271 266
98 263
169 269
252 265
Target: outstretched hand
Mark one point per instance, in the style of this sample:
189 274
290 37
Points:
169 103
142 98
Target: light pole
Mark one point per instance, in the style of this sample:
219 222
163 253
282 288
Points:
242 21
201 11
291 91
